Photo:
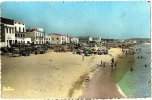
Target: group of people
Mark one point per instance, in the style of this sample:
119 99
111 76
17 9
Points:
113 63
139 57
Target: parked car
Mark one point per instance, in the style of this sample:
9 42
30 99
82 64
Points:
100 52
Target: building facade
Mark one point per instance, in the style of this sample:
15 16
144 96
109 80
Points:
85 39
74 40
59 38
7 32
20 31
48 39
36 35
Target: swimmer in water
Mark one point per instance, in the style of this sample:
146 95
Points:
145 65
131 69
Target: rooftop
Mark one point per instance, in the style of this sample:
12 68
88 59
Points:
57 34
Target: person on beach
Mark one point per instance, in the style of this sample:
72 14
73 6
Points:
101 63
122 50
82 57
112 66
116 64
138 57
87 79
112 60
104 64
126 53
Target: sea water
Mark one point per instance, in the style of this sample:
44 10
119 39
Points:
137 83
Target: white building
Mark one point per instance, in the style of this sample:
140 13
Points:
68 38
85 39
74 40
36 35
20 31
59 38
48 39
27 40
7 32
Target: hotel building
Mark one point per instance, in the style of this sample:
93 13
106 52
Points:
36 35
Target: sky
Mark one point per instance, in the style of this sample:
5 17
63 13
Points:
117 20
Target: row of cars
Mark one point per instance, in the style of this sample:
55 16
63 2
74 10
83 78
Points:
26 49
89 51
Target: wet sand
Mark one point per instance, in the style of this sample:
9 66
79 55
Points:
104 82
51 75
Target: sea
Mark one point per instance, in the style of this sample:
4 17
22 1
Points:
137 83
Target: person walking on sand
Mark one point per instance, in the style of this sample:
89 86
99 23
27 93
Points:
104 64
116 64
112 60
82 57
101 63
112 66
126 53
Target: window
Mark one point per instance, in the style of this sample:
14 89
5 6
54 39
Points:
15 29
6 30
15 35
15 41
21 35
57 38
9 30
18 35
12 30
52 38
19 29
23 29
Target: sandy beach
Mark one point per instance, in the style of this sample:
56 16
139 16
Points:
59 75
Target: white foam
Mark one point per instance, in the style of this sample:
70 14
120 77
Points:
120 91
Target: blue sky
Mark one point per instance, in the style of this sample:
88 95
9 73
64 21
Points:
119 20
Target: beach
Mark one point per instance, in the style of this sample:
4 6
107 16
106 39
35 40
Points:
59 75
104 84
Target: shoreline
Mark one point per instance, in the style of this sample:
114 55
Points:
127 86
118 91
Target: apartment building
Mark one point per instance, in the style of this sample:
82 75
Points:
36 35
59 38
7 32
19 32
